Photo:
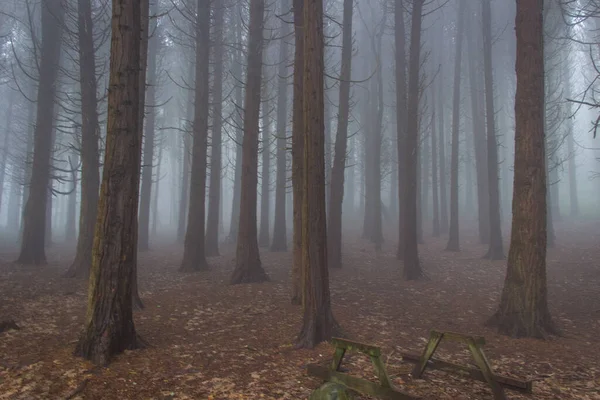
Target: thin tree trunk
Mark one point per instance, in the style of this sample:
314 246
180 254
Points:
334 229
156 191
6 142
248 267
194 256
496 248
214 191
453 239
434 169
34 218
109 327
71 223
265 186
279 242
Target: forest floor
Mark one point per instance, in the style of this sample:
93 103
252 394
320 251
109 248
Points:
210 340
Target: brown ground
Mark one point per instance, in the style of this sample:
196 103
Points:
215 341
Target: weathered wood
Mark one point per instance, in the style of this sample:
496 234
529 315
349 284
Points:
345 344
359 385
434 341
380 372
460 337
486 369
474 373
337 358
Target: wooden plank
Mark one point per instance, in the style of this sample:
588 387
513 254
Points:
474 373
434 341
380 372
338 356
461 338
359 385
486 369
357 346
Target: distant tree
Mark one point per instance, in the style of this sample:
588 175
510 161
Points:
34 217
523 310
248 267
401 96
194 256
318 324
109 327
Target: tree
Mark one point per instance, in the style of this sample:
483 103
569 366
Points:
214 191
279 242
194 256
90 164
496 247
109 327
523 309
298 150
248 267
334 231
412 266
318 324
34 217
453 239
265 177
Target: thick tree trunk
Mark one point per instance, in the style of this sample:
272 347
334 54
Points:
523 310
334 228
496 248
148 156
298 150
412 267
214 191
34 218
265 179
194 257
401 117
453 239
109 327
318 324
279 242
248 267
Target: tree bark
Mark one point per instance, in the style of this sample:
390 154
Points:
496 248
214 191
248 267
401 116
298 150
334 231
109 327
265 179
156 191
279 242
318 324
453 239
70 222
434 169
194 256
412 267
34 218
523 310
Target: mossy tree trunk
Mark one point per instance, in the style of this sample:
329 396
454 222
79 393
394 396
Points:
298 151
194 256
334 231
248 267
523 310
318 324
109 327
214 191
34 217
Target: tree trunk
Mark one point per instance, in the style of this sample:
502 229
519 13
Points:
156 191
523 310
6 140
318 324
248 267
70 226
265 187
148 156
279 242
34 218
434 169
237 118
572 165
109 327
27 165
401 117
442 162
214 191
378 106
334 229
496 248
194 256
412 266
298 150
453 239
